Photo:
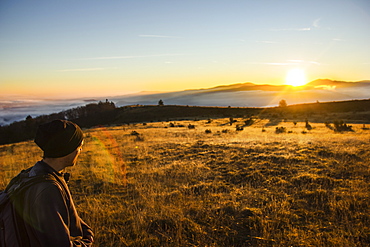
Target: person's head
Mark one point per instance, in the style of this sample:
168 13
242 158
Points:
60 139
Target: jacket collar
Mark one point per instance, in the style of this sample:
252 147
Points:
42 168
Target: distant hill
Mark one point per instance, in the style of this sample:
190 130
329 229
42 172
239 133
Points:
255 95
338 84
234 95
355 111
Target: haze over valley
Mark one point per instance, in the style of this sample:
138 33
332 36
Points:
235 95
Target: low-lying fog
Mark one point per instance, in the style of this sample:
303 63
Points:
254 96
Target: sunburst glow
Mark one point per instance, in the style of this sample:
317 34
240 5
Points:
295 77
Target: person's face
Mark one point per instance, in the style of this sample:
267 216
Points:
74 155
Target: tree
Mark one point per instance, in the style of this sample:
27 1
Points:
160 102
283 103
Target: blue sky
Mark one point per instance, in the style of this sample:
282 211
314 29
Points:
92 48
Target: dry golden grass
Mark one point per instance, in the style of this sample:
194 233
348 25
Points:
184 187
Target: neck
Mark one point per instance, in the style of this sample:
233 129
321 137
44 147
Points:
56 163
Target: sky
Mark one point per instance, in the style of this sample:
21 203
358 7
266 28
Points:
88 48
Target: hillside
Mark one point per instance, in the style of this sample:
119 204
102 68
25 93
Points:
156 185
355 111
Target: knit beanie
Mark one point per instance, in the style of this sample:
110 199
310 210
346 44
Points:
58 138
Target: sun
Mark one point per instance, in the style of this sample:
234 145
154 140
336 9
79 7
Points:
295 78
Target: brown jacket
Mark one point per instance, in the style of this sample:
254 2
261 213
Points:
50 214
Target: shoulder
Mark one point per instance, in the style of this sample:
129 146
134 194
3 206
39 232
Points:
46 195
45 186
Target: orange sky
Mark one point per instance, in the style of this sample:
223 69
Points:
94 48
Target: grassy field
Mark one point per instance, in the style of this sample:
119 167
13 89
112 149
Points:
156 185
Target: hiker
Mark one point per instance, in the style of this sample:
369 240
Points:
47 206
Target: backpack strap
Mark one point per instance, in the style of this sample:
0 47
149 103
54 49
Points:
21 182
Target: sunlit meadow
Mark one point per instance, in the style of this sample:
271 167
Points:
165 184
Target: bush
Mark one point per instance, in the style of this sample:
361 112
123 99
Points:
191 126
308 126
280 130
328 125
340 126
232 121
134 133
249 122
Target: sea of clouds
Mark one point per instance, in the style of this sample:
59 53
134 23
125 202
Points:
17 110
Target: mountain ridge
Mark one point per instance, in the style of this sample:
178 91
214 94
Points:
255 86
255 95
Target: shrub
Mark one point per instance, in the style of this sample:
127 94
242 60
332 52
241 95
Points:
249 122
340 126
282 103
328 125
308 126
279 130
232 121
191 126
134 133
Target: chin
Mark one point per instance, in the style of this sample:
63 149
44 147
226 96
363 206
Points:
72 164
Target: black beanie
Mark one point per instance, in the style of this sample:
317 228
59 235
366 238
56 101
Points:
58 138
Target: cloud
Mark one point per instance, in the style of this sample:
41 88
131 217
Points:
277 64
86 69
17 110
158 36
304 61
130 57
288 62
316 23
266 42
292 29
326 87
